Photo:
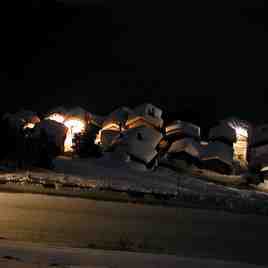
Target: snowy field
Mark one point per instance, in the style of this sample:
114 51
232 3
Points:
198 187
102 173
27 255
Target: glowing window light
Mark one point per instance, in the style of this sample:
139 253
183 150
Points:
74 126
29 125
264 169
240 146
98 138
241 131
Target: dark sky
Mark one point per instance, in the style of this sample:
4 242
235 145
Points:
198 61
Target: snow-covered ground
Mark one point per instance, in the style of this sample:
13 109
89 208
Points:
29 255
119 175
108 173
104 173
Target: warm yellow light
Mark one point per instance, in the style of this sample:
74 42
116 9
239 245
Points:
29 125
264 169
241 131
240 146
111 126
98 138
74 126
56 117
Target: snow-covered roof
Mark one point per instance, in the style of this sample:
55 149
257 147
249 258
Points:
135 120
183 129
108 137
118 116
187 145
218 150
141 142
76 111
148 109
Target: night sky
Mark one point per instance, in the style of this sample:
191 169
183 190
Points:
197 61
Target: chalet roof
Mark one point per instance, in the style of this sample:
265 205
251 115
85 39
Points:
118 116
155 122
141 142
183 128
148 109
218 150
187 145
76 111
108 137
